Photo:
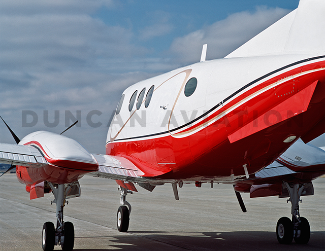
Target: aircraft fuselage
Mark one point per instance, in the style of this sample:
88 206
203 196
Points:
243 113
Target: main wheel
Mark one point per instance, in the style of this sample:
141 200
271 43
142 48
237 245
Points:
48 236
68 233
284 230
303 232
122 219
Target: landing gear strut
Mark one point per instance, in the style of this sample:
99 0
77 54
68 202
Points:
298 228
63 234
124 211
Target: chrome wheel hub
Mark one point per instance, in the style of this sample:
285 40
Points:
281 231
43 236
119 218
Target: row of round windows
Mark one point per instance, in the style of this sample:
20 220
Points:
188 91
139 100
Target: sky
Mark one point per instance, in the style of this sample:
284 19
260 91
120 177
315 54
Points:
68 59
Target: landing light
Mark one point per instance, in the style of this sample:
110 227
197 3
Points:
289 139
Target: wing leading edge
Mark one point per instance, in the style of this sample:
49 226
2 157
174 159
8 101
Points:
117 168
21 155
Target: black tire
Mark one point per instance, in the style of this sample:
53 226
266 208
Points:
284 230
68 233
123 219
48 236
303 233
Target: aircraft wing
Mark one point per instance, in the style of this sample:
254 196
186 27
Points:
123 171
301 163
21 155
274 170
118 168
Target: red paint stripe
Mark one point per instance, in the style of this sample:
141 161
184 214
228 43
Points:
254 90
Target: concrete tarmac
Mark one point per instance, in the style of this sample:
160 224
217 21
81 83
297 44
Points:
203 218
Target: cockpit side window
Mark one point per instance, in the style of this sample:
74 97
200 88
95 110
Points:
149 96
119 106
140 98
132 100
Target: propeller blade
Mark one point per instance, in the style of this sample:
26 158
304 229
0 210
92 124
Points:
12 133
10 168
241 202
69 127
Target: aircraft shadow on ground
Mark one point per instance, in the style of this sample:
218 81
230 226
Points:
240 240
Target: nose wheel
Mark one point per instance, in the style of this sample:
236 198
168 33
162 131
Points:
124 211
48 236
63 234
67 242
123 219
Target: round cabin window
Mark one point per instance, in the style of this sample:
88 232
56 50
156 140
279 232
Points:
148 96
132 100
140 98
190 87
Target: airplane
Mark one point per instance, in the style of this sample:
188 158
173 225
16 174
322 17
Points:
244 120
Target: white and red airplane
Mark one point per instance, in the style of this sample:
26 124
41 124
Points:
244 120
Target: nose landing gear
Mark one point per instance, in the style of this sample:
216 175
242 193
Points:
124 211
63 234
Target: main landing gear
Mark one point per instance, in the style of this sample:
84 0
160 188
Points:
63 234
124 211
298 228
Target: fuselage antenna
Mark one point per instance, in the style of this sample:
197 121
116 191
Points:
204 52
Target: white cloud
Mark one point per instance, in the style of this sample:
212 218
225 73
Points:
55 56
226 35
160 25
51 58
57 41
155 30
